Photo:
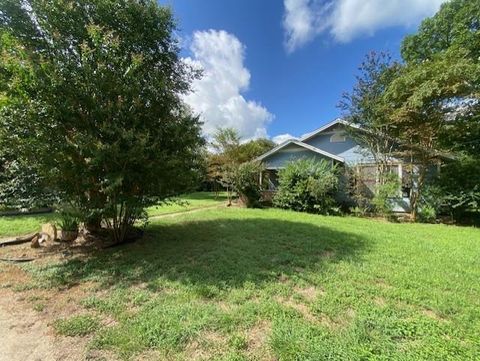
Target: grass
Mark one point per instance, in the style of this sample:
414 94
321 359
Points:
19 225
189 202
238 284
76 326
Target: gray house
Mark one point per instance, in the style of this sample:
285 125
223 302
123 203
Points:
333 143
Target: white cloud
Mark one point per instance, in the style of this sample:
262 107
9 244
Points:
217 95
347 19
282 138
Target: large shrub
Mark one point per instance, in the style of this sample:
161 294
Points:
91 94
246 181
307 185
456 191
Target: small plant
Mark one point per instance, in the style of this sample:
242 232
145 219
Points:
385 195
76 326
39 307
68 222
427 214
246 182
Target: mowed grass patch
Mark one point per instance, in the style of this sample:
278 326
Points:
268 284
24 224
188 202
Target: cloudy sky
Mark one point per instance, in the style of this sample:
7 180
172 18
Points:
277 68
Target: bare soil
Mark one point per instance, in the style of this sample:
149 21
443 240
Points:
25 333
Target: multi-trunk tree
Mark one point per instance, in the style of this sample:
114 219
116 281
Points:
429 103
90 92
438 89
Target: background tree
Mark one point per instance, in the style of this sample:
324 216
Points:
90 92
229 153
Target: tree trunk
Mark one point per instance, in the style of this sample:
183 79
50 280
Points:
416 191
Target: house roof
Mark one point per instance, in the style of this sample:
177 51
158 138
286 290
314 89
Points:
303 145
327 126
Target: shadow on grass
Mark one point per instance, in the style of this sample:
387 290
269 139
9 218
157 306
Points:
222 253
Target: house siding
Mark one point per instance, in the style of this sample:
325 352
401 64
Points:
350 149
291 153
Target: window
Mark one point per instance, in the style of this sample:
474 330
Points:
338 138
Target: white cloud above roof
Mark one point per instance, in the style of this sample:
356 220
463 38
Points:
282 138
217 96
345 20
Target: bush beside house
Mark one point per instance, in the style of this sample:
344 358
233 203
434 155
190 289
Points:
307 185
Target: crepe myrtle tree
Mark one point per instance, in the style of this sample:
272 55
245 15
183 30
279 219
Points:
90 92
433 101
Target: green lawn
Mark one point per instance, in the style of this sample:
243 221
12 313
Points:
20 225
189 202
238 284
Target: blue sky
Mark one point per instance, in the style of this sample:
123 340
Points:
274 67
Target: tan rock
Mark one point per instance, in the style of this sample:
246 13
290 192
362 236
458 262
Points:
50 230
43 238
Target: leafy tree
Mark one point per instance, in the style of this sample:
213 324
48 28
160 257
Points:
230 153
22 187
438 87
222 163
365 108
252 149
454 26
307 185
90 92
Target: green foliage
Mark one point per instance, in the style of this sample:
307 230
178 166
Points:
385 195
365 106
455 25
252 149
21 186
358 197
229 154
436 92
307 185
68 220
77 325
458 189
93 97
246 181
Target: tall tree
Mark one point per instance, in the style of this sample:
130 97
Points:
364 107
90 92
439 85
